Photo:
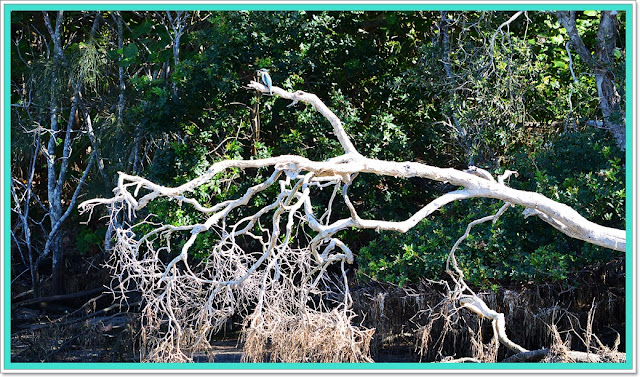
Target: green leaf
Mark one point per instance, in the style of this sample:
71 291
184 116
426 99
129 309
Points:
559 63
391 18
557 39
144 28
131 51
113 54
591 13
125 62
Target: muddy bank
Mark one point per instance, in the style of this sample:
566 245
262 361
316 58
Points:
404 317
408 321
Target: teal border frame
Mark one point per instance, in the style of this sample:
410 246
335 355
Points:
625 6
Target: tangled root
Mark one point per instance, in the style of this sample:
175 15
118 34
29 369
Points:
306 337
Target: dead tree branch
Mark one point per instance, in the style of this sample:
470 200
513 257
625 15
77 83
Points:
257 265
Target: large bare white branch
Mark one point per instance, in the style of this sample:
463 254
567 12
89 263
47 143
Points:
300 96
572 223
273 260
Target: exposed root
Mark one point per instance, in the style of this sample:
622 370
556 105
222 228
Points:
559 350
468 299
596 352
484 352
311 336
443 315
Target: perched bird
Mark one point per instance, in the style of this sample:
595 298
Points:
266 79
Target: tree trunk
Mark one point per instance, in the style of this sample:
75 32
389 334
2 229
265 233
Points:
177 25
53 190
121 103
118 17
601 62
56 178
612 113
23 214
461 135
168 283
57 264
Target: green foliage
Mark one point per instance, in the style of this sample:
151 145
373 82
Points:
584 170
87 61
581 169
90 240
400 259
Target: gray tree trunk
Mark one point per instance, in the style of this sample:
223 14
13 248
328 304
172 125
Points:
601 62
612 113
121 80
54 191
175 28
56 176
461 135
